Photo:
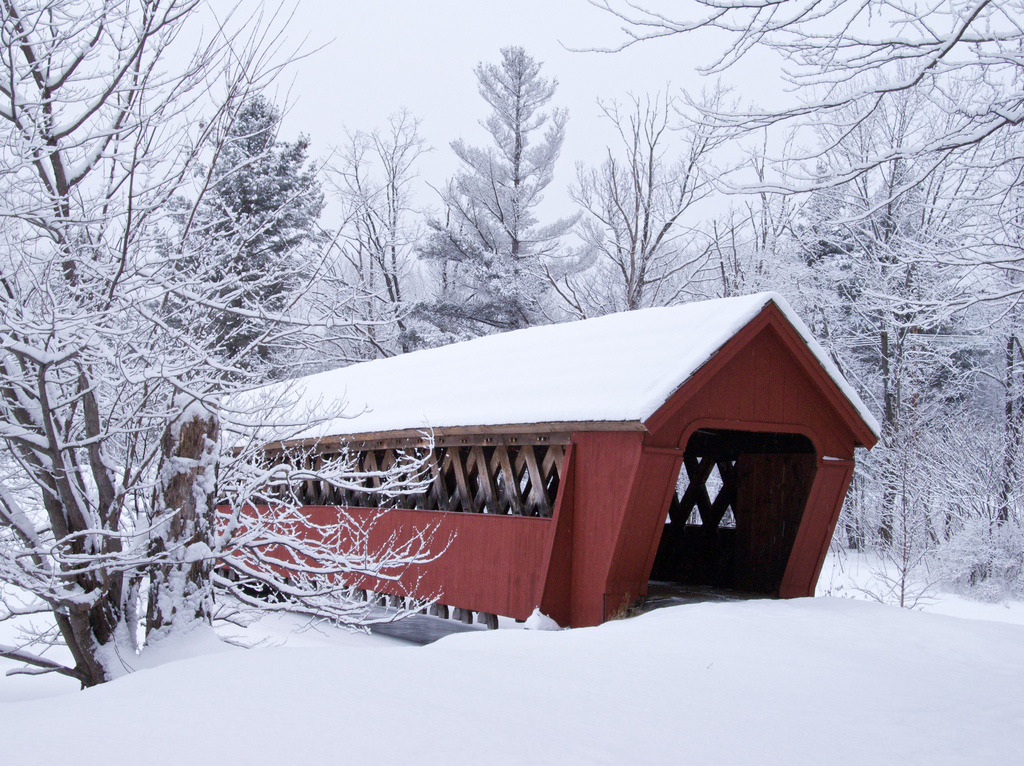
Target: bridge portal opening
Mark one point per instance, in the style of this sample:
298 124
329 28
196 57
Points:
736 510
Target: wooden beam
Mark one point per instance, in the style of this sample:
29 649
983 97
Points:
491 435
486 480
540 498
462 481
438 488
502 466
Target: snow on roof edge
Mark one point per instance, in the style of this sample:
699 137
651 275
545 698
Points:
826 361
820 354
610 369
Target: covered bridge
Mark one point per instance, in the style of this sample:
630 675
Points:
709 444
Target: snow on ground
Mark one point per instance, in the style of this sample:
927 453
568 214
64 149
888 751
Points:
269 631
849 574
824 680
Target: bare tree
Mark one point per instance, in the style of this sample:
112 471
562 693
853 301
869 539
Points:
643 251
751 244
372 179
111 382
849 58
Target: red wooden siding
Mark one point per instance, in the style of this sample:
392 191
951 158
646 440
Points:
815 533
490 560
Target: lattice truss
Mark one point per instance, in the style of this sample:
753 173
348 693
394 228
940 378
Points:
483 474
692 503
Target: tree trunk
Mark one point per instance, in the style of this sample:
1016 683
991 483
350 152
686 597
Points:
1013 406
181 542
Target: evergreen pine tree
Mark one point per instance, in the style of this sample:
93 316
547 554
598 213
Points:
264 204
490 248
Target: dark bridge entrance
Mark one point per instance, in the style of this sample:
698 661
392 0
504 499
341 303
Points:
736 511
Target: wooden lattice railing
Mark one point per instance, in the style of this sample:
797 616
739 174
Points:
508 474
709 501
695 506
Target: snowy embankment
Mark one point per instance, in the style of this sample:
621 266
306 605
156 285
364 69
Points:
804 681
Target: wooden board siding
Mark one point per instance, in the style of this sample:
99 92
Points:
606 466
811 545
556 598
771 501
763 380
493 564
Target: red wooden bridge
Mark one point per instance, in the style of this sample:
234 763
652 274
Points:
709 444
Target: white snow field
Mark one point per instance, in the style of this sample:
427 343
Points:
815 681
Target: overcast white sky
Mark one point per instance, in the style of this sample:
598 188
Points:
374 57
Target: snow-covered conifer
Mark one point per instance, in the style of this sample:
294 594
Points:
490 246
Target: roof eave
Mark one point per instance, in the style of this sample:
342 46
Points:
547 432
772 315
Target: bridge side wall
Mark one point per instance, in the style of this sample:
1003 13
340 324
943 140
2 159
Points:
489 563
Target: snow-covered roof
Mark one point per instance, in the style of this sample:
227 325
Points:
615 368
